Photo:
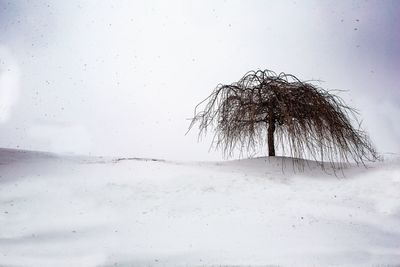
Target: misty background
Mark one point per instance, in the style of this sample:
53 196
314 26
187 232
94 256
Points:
121 78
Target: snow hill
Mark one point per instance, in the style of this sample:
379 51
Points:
90 211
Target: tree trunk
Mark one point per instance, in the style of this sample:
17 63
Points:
271 145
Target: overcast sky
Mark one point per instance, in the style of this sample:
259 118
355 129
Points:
123 77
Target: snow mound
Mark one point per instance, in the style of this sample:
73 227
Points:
91 211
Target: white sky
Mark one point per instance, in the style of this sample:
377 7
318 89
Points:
123 77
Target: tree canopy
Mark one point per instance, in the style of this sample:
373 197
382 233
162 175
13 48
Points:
305 120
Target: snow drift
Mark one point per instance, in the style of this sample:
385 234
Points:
92 211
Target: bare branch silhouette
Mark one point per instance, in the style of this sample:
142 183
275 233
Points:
264 108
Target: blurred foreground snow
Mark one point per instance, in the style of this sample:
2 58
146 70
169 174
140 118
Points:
81 211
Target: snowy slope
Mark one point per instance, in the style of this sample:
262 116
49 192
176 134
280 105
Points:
81 211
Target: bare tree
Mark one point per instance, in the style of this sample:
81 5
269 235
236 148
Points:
304 119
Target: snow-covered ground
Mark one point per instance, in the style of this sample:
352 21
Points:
81 211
